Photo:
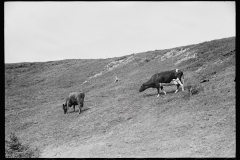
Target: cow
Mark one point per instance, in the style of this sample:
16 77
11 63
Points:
74 98
158 80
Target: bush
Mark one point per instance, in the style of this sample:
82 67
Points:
15 149
192 84
194 89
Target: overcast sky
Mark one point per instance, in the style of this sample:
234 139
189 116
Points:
49 31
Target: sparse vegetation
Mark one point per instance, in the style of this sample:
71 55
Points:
116 118
192 84
15 149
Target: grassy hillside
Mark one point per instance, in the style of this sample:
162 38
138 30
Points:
117 120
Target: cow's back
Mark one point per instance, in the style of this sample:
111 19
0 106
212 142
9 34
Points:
75 96
166 76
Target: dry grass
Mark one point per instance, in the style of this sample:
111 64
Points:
15 149
117 120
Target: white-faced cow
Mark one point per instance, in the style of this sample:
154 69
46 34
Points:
158 80
75 98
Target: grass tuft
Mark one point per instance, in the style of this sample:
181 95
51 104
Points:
15 149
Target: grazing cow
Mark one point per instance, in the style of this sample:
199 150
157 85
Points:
175 77
75 98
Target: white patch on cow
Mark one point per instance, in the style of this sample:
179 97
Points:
177 70
177 81
174 81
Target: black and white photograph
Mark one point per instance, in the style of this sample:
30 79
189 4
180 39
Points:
120 79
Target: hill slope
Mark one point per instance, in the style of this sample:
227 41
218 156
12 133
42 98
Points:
117 120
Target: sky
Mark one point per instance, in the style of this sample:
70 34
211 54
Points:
50 31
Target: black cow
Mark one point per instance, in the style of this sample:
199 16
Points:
75 98
175 77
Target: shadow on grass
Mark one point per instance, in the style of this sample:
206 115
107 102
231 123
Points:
161 93
76 110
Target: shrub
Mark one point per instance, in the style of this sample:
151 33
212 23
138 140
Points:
194 89
15 149
192 84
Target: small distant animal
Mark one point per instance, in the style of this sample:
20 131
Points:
74 98
116 79
175 77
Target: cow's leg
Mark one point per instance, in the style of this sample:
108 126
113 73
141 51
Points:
180 83
177 88
74 108
162 89
80 107
158 91
67 108
175 81
158 86
79 111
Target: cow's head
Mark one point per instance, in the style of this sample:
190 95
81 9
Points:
64 108
143 87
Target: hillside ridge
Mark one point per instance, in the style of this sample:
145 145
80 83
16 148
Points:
117 120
